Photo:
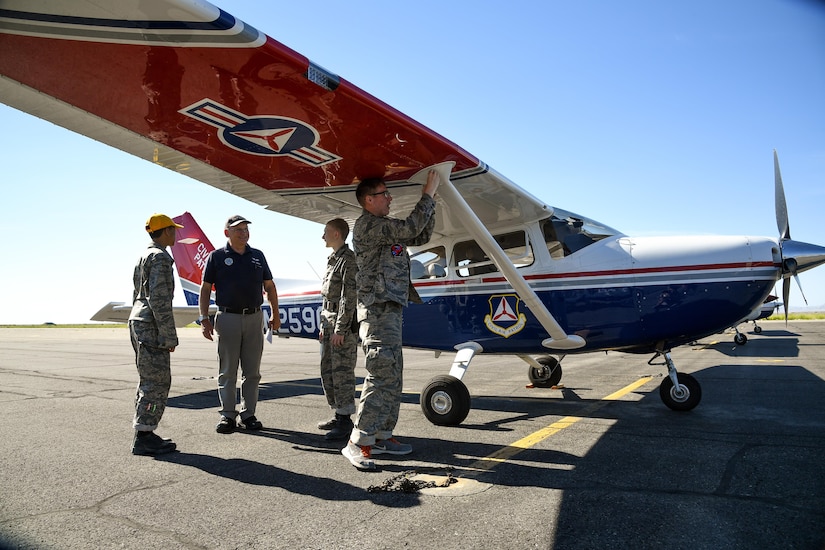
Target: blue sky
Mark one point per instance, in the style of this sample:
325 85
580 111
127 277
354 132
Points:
656 118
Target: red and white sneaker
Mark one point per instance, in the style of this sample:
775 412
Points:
360 456
391 446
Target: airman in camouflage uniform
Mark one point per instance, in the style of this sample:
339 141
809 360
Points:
384 288
153 334
339 333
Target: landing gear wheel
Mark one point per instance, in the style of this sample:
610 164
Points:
445 401
757 329
684 397
548 375
740 339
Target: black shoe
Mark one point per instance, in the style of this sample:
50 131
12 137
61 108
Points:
149 443
226 425
252 423
328 424
341 430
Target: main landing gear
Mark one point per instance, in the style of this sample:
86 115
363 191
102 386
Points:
445 400
544 372
679 391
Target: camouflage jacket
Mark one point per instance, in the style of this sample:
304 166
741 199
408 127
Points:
152 298
381 252
338 290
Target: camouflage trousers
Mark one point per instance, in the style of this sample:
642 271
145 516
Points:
154 373
380 399
338 371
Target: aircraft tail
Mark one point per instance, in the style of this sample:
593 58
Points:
190 252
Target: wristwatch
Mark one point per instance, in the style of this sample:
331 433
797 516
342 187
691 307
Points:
202 317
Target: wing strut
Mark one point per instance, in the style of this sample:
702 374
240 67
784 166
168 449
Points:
450 195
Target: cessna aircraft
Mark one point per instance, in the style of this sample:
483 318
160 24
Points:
185 85
763 311
190 251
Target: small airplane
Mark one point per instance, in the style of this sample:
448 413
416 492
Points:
762 311
187 86
190 251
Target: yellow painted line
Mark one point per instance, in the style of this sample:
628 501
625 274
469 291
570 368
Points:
535 438
627 389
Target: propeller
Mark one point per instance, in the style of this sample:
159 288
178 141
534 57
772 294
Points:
789 265
781 205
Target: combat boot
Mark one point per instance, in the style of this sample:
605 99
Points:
342 428
150 443
328 424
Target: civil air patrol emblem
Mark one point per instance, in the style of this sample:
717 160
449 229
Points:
504 318
266 135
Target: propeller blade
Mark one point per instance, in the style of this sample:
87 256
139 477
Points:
779 199
798 284
786 292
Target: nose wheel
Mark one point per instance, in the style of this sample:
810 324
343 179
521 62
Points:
679 391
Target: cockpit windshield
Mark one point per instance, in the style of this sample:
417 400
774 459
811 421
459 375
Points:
566 233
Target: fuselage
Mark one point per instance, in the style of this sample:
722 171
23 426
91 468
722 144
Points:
634 294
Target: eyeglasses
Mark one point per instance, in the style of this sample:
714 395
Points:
385 192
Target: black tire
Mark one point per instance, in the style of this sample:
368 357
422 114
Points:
445 401
548 375
757 329
684 400
740 339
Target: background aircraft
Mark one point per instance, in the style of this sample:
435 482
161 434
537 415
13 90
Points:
762 311
207 95
190 252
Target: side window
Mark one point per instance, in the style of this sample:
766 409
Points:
470 259
551 238
569 234
429 264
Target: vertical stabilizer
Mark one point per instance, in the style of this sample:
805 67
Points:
190 252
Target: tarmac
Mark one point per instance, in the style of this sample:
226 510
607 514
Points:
599 462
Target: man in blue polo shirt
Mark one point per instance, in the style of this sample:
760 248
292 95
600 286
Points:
240 275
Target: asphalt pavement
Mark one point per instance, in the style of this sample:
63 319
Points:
598 463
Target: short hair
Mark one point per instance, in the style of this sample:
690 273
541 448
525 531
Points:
341 226
367 186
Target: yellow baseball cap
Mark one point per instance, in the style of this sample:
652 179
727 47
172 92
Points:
160 221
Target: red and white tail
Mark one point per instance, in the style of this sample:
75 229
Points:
190 252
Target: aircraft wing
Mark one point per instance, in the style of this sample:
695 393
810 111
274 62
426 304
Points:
118 312
185 85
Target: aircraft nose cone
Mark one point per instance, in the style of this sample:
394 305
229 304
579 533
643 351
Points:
807 256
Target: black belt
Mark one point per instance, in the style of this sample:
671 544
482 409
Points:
240 311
